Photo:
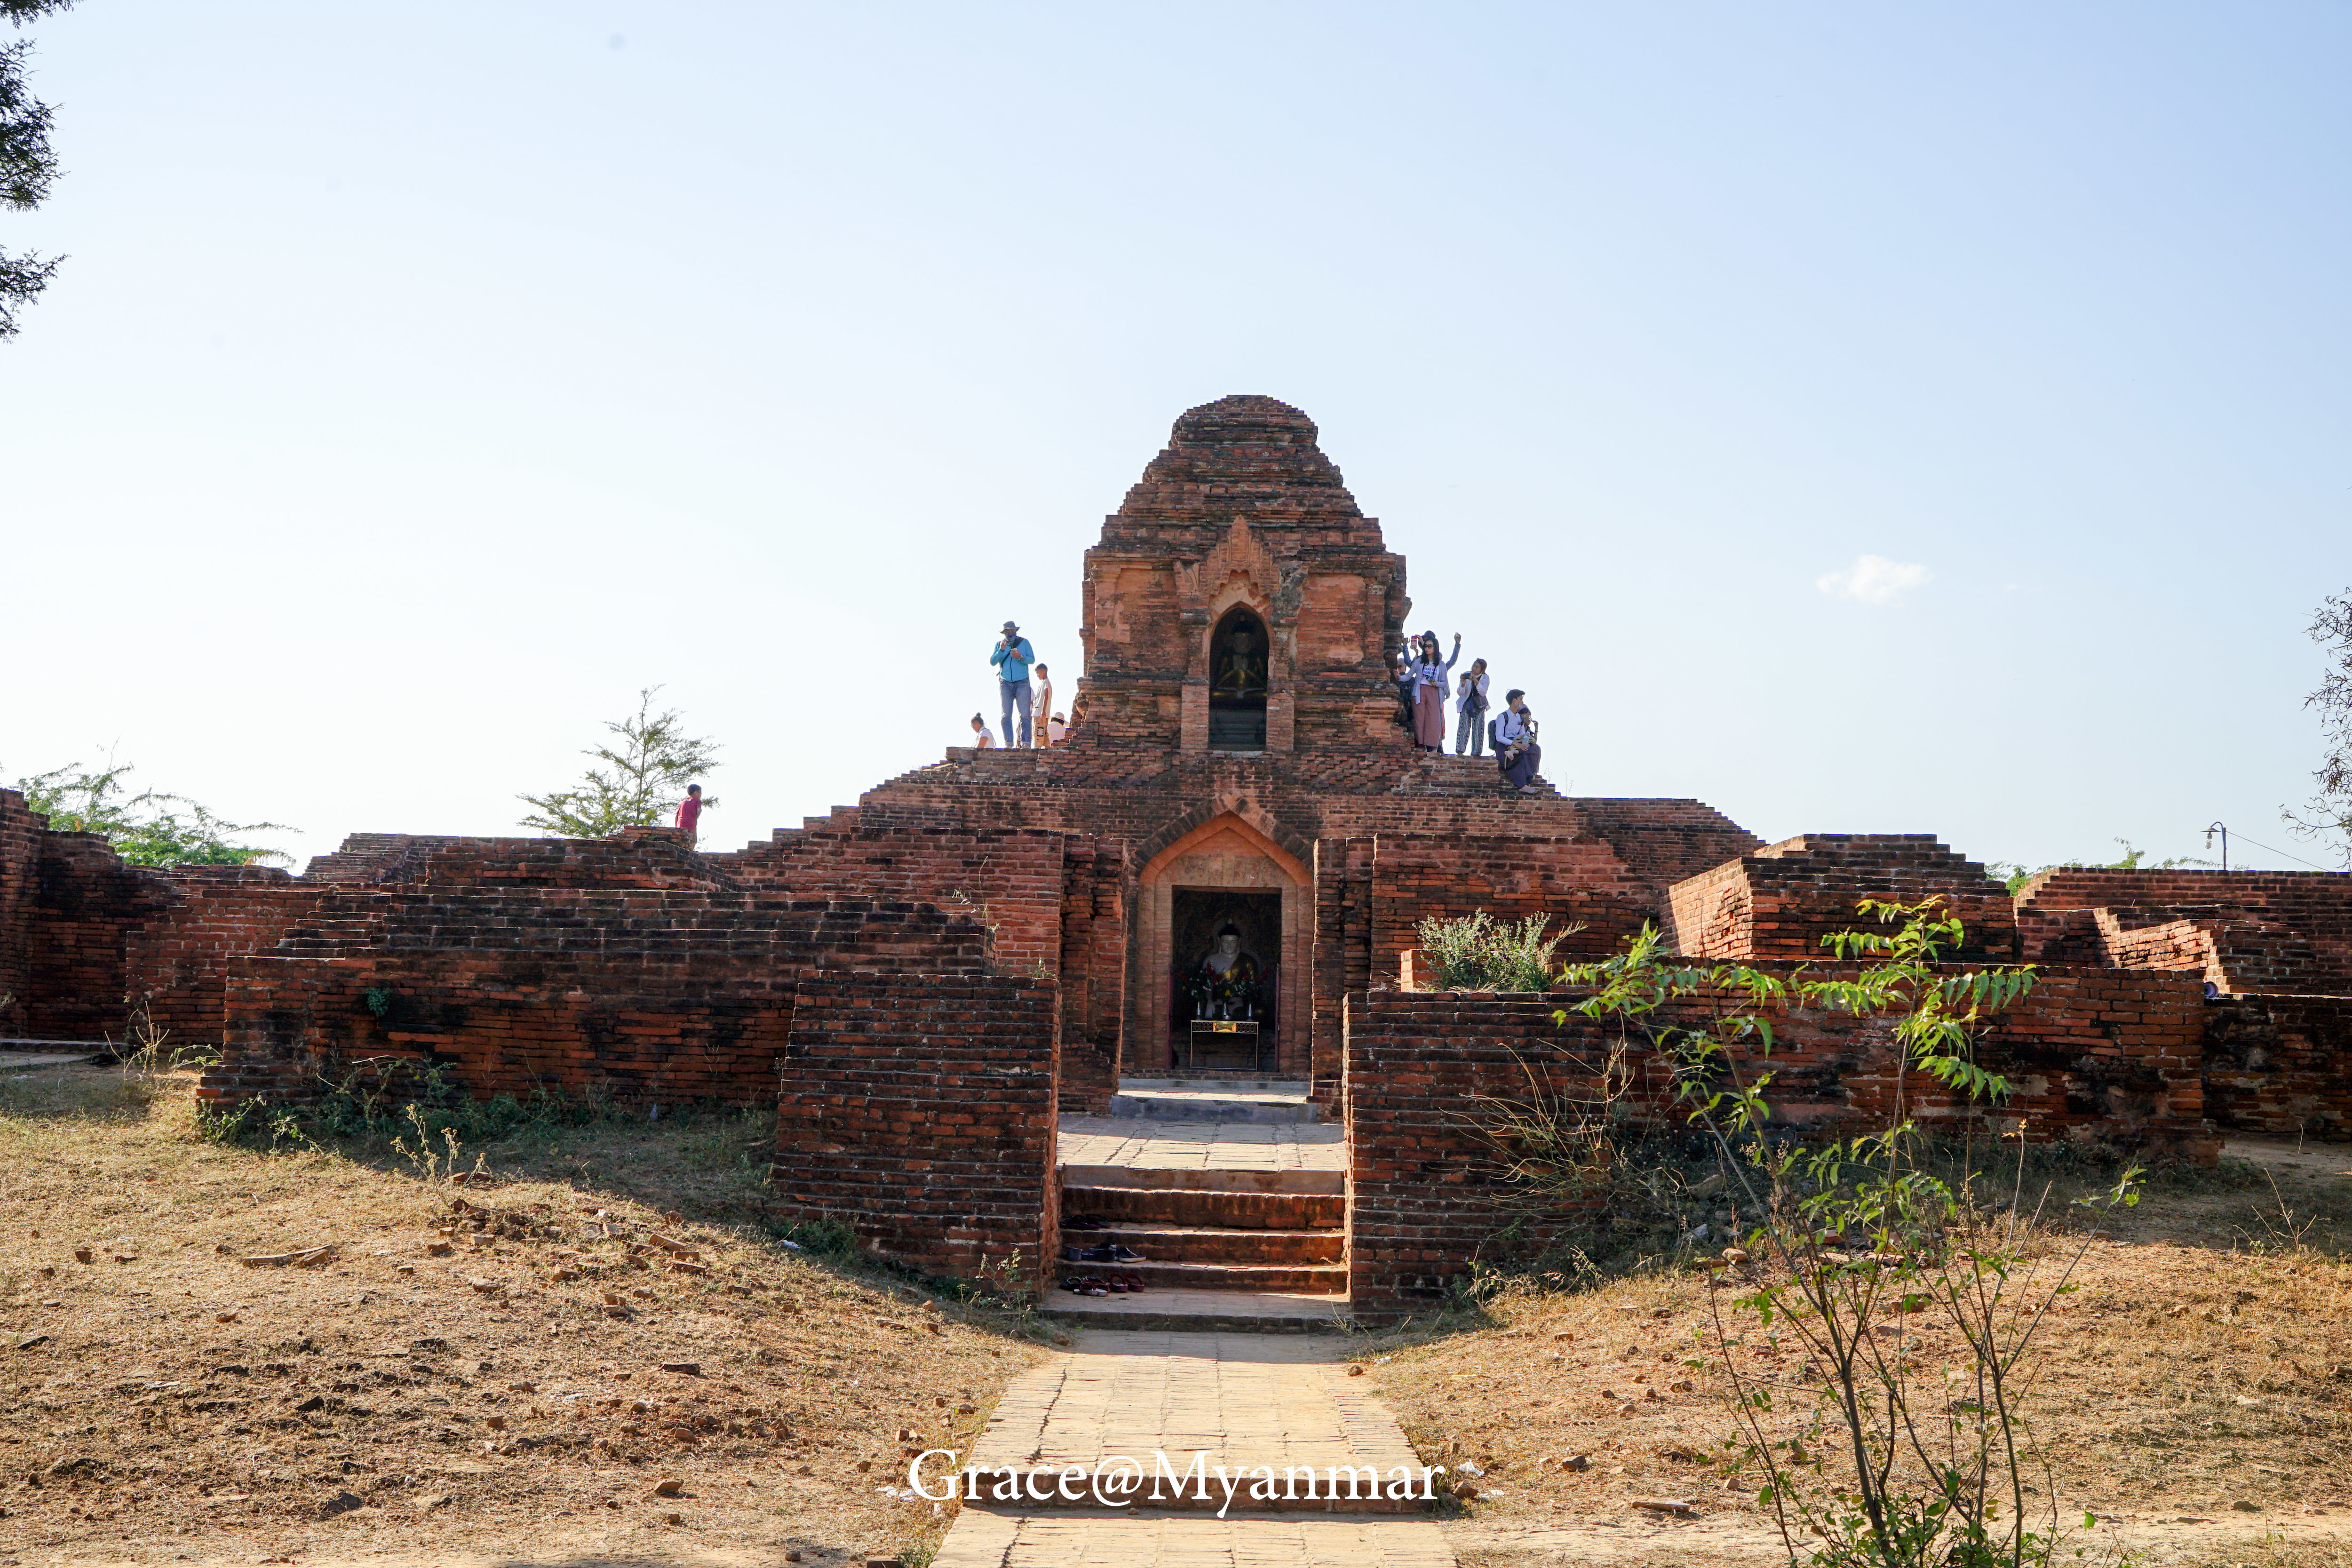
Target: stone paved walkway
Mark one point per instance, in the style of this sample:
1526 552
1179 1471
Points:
1247 1400
1203 1145
1190 1541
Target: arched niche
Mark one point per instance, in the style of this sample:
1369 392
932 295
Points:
1226 869
1240 666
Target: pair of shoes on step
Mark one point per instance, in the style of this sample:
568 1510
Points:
1110 1252
1104 1285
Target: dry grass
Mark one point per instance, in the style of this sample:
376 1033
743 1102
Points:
170 1404
2197 1390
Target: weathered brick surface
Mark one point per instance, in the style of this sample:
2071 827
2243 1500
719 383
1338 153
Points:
20 876
2112 1058
643 994
2248 932
75 984
177 957
2280 1064
1779 900
919 1111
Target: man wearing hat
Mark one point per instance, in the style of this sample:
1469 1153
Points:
1012 658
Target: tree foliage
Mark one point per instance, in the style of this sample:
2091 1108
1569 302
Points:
644 772
150 828
1882 1454
2014 875
27 163
2329 814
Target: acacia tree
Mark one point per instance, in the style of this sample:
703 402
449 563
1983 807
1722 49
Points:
649 766
150 828
26 162
2329 813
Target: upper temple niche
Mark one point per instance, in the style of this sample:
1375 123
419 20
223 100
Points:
1241 529
1242 457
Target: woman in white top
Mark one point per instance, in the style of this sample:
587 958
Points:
979 735
1429 690
1470 702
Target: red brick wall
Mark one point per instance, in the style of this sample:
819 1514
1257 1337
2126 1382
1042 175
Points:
1781 899
1093 971
1012 879
919 1109
20 875
2274 931
86 902
2280 1064
642 994
1572 880
1422 1200
2108 1058
177 958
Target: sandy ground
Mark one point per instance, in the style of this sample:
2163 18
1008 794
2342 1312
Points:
2195 1393
475 1371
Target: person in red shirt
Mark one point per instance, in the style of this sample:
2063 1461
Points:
689 812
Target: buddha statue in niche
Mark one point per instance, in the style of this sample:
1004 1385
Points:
1240 668
1224 984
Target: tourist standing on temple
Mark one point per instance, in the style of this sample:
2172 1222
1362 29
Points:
1515 742
1401 674
1044 707
981 738
690 813
1429 691
1012 658
1057 730
1470 729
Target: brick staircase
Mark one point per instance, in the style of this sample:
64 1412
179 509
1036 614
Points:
1236 1202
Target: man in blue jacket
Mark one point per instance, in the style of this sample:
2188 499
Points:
1012 658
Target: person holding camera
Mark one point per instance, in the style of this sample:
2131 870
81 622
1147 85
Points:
1515 742
1470 702
1012 658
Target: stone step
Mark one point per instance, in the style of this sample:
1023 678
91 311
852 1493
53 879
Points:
1205 1311
1212 1105
1202 1178
1209 1244
1235 1082
1192 1206
1306 1278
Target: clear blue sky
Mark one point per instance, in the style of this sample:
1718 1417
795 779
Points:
425 379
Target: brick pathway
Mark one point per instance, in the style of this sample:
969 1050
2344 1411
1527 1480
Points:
1203 1145
1248 1400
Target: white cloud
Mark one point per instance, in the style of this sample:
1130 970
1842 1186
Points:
1872 580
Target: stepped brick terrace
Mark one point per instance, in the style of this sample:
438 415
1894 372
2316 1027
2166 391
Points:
975 997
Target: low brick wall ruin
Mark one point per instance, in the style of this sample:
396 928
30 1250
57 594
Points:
919 1111
2107 1059
2280 1064
662 996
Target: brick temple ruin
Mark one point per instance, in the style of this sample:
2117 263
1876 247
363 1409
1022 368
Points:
972 993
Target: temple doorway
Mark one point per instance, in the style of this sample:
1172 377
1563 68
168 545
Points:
1227 979
1225 878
